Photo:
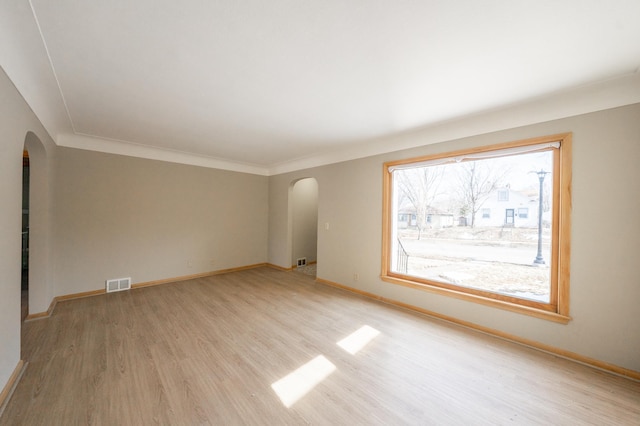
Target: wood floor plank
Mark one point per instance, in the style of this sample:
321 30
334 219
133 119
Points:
208 350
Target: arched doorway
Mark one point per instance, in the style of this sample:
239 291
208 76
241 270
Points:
304 225
37 201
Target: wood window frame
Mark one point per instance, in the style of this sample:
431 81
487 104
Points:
558 308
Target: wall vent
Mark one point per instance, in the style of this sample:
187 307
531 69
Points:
118 284
302 262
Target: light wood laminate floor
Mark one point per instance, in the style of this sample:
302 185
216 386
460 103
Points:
207 351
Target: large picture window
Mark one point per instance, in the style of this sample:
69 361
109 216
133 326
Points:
491 225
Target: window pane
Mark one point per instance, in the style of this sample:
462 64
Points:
483 224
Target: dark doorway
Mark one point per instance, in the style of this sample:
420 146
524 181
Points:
25 236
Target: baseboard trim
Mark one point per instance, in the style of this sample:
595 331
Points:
54 302
571 356
279 268
13 381
79 295
42 315
195 276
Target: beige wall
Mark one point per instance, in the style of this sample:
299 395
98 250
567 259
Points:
605 283
119 216
19 128
96 216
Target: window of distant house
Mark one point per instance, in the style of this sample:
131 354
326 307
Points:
470 239
503 195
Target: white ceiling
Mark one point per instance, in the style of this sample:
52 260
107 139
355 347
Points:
269 86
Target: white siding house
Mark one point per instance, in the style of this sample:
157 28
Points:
507 207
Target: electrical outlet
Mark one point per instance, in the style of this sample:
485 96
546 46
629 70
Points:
356 277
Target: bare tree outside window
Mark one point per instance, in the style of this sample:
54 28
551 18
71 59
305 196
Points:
419 187
476 181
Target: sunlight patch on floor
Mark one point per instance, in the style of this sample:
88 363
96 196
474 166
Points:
358 339
298 383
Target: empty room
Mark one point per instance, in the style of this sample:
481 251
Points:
319 212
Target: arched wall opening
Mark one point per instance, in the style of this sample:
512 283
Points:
40 294
303 222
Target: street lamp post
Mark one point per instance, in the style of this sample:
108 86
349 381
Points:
539 260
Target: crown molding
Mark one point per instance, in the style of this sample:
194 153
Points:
110 146
599 96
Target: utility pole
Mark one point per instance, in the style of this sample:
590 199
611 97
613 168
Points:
539 260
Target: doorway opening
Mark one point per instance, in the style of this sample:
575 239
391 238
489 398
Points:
304 226
24 283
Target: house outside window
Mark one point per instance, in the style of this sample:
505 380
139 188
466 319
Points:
503 195
486 213
523 212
